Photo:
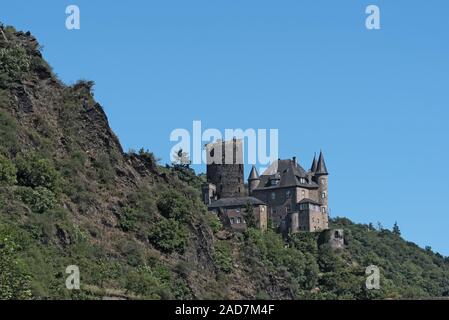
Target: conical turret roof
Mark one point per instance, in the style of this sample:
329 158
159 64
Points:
321 166
314 164
253 175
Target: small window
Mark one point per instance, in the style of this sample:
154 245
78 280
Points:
303 192
323 195
273 195
262 209
239 220
287 209
237 210
288 194
232 220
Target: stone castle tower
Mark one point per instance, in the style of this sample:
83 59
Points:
225 168
321 177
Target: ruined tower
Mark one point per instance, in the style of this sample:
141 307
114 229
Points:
225 167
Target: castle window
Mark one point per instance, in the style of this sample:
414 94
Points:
288 194
323 195
237 210
232 220
303 180
273 195
323 209
239 220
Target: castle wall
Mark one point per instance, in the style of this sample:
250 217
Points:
280 205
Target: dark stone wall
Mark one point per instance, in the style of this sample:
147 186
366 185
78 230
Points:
226 175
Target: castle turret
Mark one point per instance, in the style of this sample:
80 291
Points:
253 180
321 177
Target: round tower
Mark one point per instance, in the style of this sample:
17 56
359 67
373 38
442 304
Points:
253 180
321 177
225 168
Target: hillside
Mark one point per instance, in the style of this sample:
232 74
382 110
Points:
69 195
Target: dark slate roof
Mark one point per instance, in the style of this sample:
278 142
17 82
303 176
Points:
321 167
314 164
306 200
235 202
289 174
254 175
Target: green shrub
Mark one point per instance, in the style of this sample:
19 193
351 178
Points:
174 205
8 133
168 235
127 219
222 257
214 222
14 62
8 171
39 199
33 172
14 281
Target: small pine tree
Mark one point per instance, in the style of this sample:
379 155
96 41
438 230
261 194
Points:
396 230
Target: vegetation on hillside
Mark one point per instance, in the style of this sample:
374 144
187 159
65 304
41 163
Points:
69 195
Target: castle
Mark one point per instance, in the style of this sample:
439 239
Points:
285 195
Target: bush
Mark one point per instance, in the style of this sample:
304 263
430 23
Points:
214 222
14 61
39 199
34 172
8 171
8 133
222 257
168 235
14 282
173 205
127 219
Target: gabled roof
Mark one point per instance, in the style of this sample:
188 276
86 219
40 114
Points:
321 166
235 202
289 174
253 175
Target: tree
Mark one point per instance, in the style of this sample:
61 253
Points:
396 230
249 216
7 171
169 236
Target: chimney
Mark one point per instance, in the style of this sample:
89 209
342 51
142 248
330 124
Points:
294 160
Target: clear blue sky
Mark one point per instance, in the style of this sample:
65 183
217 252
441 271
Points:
376 102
